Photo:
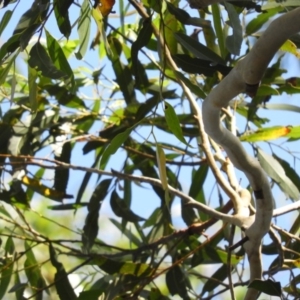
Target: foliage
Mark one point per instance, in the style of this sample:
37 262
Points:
84 127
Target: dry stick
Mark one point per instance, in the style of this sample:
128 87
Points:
246 77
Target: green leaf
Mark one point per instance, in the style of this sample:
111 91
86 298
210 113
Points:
33 271
268 287
234 41
30 21
115 144
7 267
177 282
63 286
218 28
219 276
120 209
5 20
62 16
39 59
277 173
198 49
59 60
193 87
267 134
61 176
255 24
84 29
90 229
199 66
122 268
173 122
5 70
182 16
142 40
32 86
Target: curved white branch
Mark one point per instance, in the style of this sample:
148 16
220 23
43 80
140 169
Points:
249 72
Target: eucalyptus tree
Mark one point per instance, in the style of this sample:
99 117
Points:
147 108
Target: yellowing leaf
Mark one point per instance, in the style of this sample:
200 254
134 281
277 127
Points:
266 134
235 259
38 187
161 161
290 47
296 263
105 7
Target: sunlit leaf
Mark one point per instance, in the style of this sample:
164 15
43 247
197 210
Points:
290 47
84 29
277 173
173 122
267 134
106 6
45 191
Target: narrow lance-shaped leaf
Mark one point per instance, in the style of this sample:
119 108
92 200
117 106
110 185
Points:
5 20
234 41
32 85
198 49
268 287
39 59
63 286
84 29
59 60
277 173
62 16
173 122
141 41
90 229
33 270
121 209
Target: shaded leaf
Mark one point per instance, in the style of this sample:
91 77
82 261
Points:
62 16
177 282
268 287
7 267
63 286
234 41
39 59
90 229
198 49
33 272
142 40
5 20
125 268
219 276
121 209
61 175
199 66
58 58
